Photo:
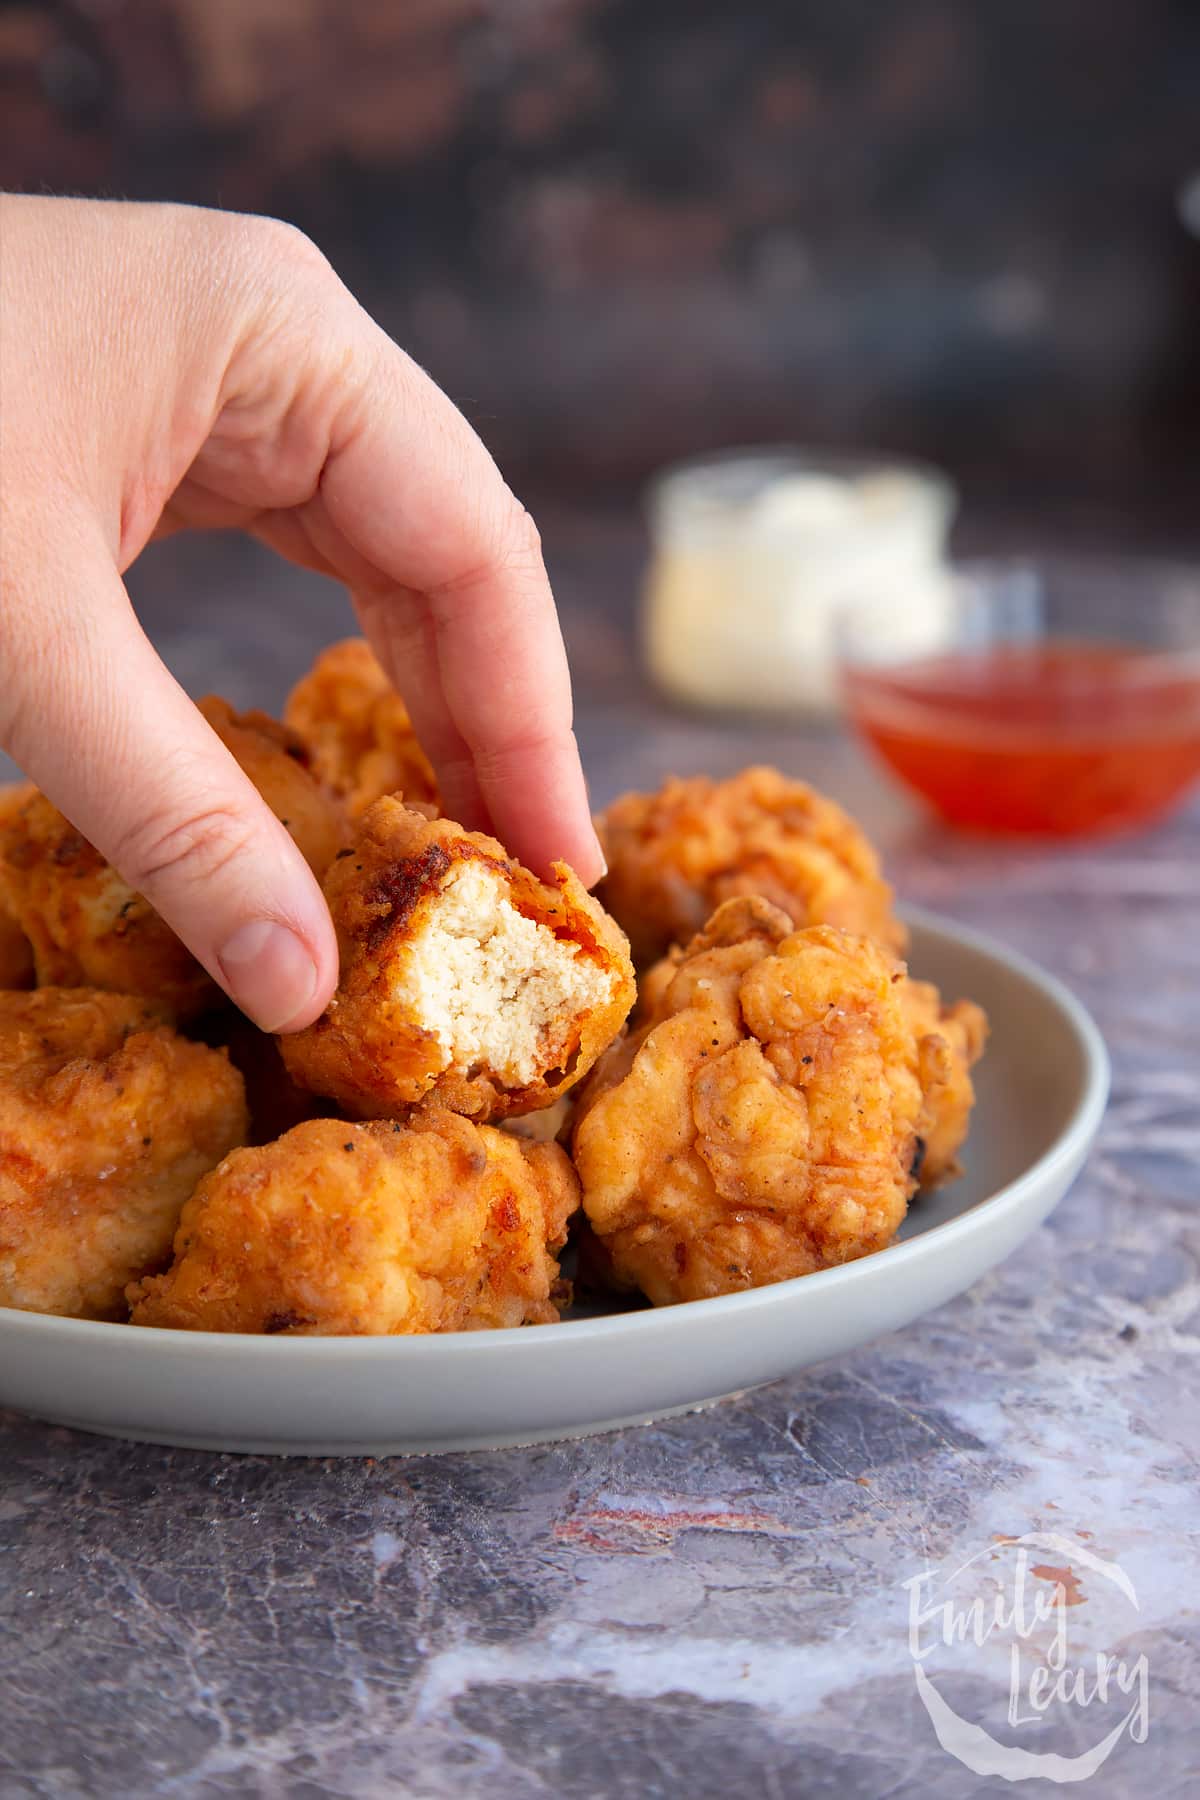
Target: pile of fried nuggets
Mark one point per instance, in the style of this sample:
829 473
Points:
781 1087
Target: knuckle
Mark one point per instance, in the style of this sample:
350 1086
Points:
268 262
281 243
509 541
189 849
516 745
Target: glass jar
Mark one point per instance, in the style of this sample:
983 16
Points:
753 552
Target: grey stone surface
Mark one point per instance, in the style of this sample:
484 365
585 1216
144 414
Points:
709 1606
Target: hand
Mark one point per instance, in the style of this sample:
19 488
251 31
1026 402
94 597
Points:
163 367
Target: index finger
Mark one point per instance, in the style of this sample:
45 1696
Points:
453 591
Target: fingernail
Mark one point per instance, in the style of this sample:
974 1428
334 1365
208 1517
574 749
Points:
269 972
600 858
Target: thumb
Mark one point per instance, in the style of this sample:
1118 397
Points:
95 719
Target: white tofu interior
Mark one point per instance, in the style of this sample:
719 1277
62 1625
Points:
494 987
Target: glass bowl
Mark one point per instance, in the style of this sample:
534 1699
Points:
1060 700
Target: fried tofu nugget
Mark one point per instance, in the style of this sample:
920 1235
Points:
16 951
951 1039
359 731
89 928
335 1229
107 1121
762 1122
465 980
675 855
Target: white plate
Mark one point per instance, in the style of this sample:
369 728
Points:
1042 1089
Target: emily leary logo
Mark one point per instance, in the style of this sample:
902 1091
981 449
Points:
1012 1602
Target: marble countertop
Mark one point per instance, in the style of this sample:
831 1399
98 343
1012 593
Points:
714 1605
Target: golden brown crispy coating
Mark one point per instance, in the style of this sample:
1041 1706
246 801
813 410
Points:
464 979
107 1122
952 1040
762 1123
361 736
336 1229
88 927
16 952
674 855
280 765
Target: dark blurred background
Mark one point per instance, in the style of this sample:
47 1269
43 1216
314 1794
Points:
620 230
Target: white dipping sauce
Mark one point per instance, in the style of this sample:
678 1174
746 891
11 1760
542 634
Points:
755 552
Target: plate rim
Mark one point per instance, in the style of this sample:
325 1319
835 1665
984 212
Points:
1071 1144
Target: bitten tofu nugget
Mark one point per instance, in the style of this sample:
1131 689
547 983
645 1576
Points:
359 731
761 1123
336 1229
89 928
674 855
108 1120
464 979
